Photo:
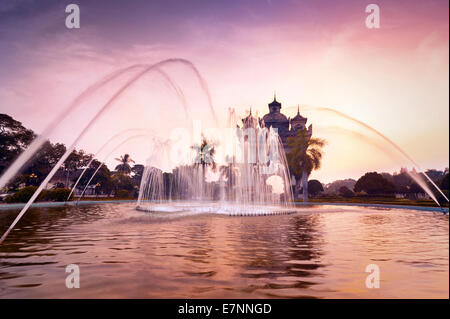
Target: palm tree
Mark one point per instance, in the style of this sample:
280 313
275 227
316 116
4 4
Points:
304 156
227 172
204 154
124 166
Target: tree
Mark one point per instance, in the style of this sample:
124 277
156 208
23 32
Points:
204 155
445 186
42 162
169 183
388 177
414 189
228 173
305 155
138 172
122 182
29 180
333 188
374 184
14 139
344 191
76 160
314 187
445 183
402 181
102 179
124 166
434 174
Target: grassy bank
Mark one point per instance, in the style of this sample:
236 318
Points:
375 200
328 199
100 199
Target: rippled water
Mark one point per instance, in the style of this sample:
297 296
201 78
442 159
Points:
319 252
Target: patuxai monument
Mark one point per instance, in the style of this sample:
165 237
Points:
287 127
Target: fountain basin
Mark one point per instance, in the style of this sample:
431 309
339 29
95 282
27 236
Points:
220 208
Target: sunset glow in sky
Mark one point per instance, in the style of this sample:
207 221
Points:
312 53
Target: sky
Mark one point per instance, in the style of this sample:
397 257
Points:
316 54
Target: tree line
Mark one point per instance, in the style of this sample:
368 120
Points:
14 139
304 156
373 184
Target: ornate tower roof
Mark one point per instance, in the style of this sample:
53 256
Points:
250 121
274 115
298 117
275 103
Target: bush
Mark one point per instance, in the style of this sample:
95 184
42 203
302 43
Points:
122 194
371 196
58 194
23 195
344 191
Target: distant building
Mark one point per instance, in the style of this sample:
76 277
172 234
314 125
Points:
287 127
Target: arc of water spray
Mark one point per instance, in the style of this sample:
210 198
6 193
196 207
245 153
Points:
398 148
373 142
106 157
182 97
185 106
12 171
40 139
67 153
99 151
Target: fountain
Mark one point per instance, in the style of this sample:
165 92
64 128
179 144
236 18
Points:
244 173
240 170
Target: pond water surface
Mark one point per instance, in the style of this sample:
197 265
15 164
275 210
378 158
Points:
318 252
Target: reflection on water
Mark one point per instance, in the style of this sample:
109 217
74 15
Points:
316 253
